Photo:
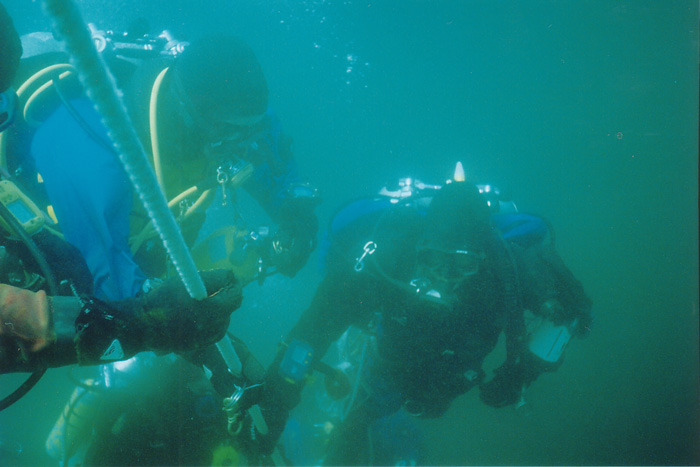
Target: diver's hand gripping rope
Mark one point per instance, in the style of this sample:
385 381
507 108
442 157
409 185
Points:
100 87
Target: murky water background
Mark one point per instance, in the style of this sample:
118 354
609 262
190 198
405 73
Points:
587 111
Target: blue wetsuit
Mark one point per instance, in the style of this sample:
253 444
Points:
92 195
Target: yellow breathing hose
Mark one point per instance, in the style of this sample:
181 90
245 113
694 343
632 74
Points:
45 76
37 94
59 68
153 123
38 77
155 149
148 230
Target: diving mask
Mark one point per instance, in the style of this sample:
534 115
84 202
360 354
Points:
442 272
218 129
449 265
233 130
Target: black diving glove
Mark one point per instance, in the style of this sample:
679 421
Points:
273 400
166 319
506 387
296 236
248 436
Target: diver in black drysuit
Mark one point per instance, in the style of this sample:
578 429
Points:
435 287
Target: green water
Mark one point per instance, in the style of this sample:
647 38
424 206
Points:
587 111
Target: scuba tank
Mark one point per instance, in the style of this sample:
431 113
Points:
73 428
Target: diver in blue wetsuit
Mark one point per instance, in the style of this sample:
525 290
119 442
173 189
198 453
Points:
38 331
204 119
434 279
202 112
42 328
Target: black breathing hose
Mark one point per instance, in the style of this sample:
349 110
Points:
17 228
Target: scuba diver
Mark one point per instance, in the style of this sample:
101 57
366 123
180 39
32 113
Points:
434 275
201 110
39 331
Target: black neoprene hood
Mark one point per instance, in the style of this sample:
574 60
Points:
222 78
458 218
